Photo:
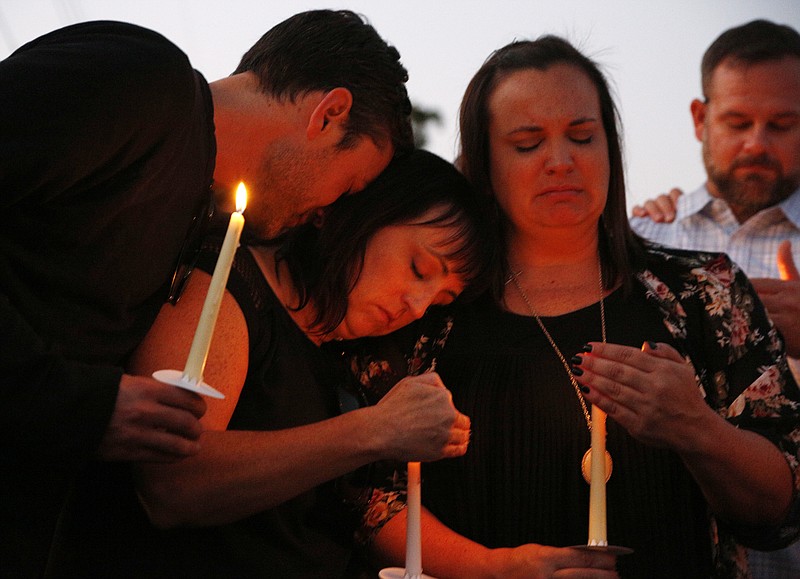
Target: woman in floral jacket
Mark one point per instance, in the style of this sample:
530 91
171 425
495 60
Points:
711 315
674 346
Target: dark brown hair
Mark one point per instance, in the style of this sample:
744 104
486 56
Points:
751 43
321 50
325 261
620 249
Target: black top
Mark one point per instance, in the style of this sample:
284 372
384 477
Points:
290 382
106 154
529 434
521 480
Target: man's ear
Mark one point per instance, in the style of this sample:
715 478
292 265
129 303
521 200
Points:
699 110
331 112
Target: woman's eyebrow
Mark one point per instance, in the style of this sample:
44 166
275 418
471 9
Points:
526 129
537 128
583 121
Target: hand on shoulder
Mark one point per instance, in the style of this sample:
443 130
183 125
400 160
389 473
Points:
660 209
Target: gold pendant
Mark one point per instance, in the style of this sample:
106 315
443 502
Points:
586 466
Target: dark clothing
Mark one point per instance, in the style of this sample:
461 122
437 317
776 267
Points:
520 480
106 154
290 382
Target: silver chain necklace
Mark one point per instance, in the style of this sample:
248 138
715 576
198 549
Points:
586 462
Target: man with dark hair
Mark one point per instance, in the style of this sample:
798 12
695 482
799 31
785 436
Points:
349 55
749 124
113 150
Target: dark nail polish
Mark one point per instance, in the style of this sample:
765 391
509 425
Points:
577 371
653 345
586 348
584 389
577 360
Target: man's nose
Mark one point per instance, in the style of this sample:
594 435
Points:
756 140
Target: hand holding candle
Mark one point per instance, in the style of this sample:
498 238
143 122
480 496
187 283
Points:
192 376
413 568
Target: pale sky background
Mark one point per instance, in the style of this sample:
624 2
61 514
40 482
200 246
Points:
651 50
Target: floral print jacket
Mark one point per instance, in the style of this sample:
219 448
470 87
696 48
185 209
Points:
710 308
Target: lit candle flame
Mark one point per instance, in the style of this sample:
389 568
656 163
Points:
241 197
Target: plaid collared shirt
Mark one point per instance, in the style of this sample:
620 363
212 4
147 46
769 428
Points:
706 223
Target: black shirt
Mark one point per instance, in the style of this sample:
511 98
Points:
106 154
290 382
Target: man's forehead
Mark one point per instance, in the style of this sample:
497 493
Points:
756 88
777 74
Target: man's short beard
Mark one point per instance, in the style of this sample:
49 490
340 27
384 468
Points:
756 191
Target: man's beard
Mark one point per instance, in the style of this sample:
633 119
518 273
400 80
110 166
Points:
755 191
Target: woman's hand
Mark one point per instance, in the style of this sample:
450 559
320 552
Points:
419 421
651 392
533 561
448 555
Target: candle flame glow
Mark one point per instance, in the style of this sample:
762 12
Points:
241 197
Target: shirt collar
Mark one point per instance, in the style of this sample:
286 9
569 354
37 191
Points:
791 208
700 200
693 203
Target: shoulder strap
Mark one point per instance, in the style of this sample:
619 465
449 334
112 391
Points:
246 283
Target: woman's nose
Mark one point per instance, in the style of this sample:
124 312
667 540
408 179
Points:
418 303
559 159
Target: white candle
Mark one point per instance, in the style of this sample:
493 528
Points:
597 488
196 361
413 536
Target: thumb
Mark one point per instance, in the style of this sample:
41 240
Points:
786 267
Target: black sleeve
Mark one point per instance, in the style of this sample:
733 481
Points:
71 104
80 102
53 410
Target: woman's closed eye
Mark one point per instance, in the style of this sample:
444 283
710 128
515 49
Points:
581 136
416 271
582 140
527 145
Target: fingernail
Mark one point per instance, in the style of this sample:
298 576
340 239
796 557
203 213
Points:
584 389
586 347
577 371
653 345
577 360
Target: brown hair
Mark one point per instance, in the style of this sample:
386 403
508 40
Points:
620 249
325 262
325 49
751 43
